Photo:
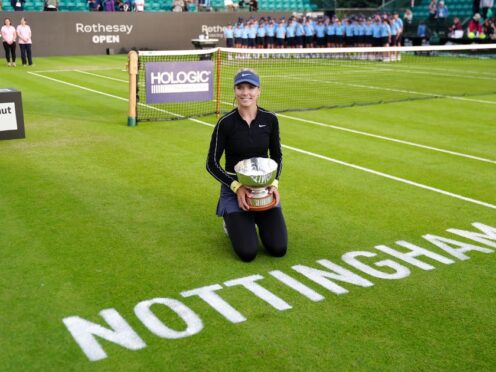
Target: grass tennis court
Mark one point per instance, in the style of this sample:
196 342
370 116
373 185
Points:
95 215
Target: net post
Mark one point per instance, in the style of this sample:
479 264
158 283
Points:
133 73
217 103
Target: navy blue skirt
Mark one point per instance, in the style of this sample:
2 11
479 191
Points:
228 202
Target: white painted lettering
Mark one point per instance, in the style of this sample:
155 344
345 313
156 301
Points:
446 245
488 237
121 333
208 295
400 271
338 273
297 286
249 283
144 313
415 251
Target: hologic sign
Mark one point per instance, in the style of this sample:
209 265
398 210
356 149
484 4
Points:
179 81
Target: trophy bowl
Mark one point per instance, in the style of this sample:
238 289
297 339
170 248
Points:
256 174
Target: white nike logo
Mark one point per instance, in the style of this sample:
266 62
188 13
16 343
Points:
261 126
243 75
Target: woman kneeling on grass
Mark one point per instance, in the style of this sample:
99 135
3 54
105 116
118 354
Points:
246 132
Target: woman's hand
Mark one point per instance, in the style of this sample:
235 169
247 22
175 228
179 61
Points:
273 190
243 195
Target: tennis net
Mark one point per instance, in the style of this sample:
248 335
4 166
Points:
182 84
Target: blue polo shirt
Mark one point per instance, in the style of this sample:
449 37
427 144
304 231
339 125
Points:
252 33
376 29
349 30
290 30
385 30
320 30
309 31
228 33
399 23
261 31
331 29
270 30
245 33
281 32
394 29
368 30
238 31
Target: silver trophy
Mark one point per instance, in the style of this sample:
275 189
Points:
256 174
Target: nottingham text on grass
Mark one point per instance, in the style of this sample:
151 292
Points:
119 331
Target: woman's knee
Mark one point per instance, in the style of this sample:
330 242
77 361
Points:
246 256
245 249
277 250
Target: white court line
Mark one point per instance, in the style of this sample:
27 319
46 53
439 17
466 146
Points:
381 137
388 138
474 72
368 170
394 90
391 68
333 127
326 81
403 180
72 69
102 76
119 98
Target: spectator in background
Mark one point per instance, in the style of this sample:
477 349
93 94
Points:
398 22
280 34
474 27
25 42
423 31
385 33
320 34
476 7
17 5
1 6
261 33
230 5
9 37
229 36
253 6
339 27
93 6
441 15
109 5
485 5
178 6
488 29
408 16
51 5
432 10
238 34
456 29
139 5
271 32
309 32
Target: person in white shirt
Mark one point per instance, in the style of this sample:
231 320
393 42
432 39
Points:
139 5
9 37
25 42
